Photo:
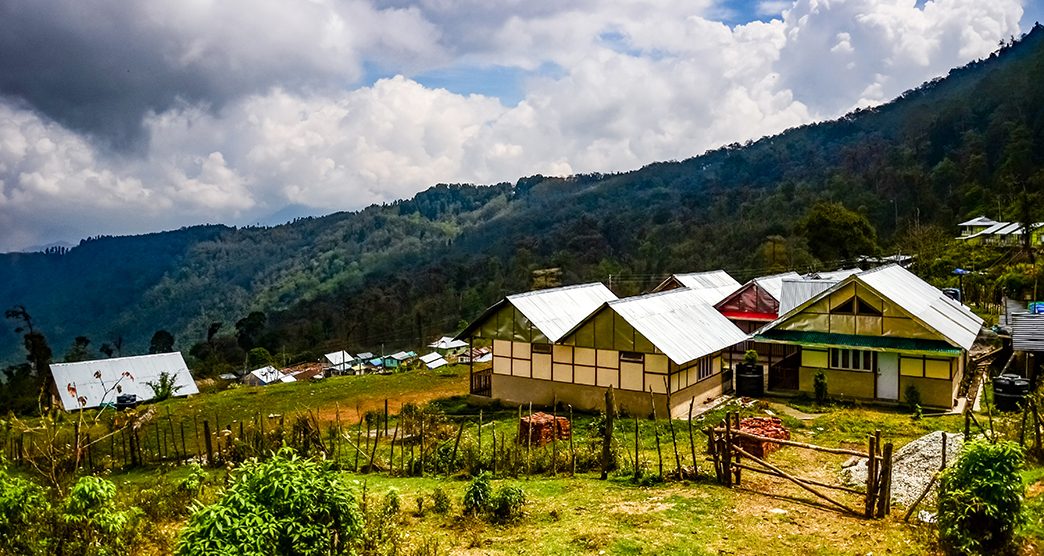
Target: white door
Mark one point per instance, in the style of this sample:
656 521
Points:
888 376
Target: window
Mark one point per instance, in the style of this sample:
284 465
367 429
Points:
542 348
705 368
853 359
856 306
632 357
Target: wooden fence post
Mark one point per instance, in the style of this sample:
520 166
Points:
871 477
884 500
572 452
206 439
692 441
610 403
656 433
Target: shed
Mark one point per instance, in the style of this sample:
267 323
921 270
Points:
264 376
338 361
88 384
433 360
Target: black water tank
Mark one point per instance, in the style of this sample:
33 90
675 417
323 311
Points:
750 380
126 400
1009 391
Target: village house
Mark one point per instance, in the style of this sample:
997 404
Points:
655 344
876 334
522 329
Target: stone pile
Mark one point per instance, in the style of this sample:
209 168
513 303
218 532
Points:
541 429
771 427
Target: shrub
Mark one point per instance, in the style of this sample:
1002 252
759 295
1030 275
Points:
478 495
440 501
751 357
284 505
913 398
508 502
164 387
819 386
24 516
93 524
980 499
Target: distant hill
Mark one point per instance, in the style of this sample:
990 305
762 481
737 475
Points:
397 274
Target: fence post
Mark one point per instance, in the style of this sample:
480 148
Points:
610 410
871 472
884 500
656 433
207 441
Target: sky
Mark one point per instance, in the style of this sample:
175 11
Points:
121 117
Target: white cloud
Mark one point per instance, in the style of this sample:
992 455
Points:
636 82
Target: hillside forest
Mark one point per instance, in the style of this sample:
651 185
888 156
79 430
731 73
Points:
895 178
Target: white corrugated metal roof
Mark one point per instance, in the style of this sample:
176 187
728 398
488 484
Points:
555 311
89 384
268 375
773 284
979 221
447 342
835 275
713 286
680 323
796 292
1027 332
339 359
925 303
433 360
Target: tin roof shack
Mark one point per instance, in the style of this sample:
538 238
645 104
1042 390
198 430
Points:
338 362
878 333
433 360
1002 233
449 346
265 376
1027 339
88 384
522 328
713 285
670 340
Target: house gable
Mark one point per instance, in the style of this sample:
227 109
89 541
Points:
506 322
606 329
855 309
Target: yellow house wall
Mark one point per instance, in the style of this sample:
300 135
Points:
935 392
893 322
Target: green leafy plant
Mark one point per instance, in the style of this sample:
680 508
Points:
508 502
981 499
25 517
912 396
440 501
284 505
93 525
819 386
751 357
478 495
164 387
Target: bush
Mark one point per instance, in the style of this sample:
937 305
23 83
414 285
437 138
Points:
980 499
93 524
819 386
913 398
285 505
164 387
24 516
440 501
751 357
508 502
478 495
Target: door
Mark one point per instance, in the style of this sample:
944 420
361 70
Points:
888 376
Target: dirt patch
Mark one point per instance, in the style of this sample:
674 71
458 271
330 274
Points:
632 508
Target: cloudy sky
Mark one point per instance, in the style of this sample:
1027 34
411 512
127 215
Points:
130 116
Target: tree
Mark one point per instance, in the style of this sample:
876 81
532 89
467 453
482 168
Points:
79 350
38 353
835 234
162 342
249 328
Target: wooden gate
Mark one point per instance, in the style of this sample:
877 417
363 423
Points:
730 459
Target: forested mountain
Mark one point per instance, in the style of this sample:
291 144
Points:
399 274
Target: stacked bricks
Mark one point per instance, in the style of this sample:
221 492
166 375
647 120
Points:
540 430
770 427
